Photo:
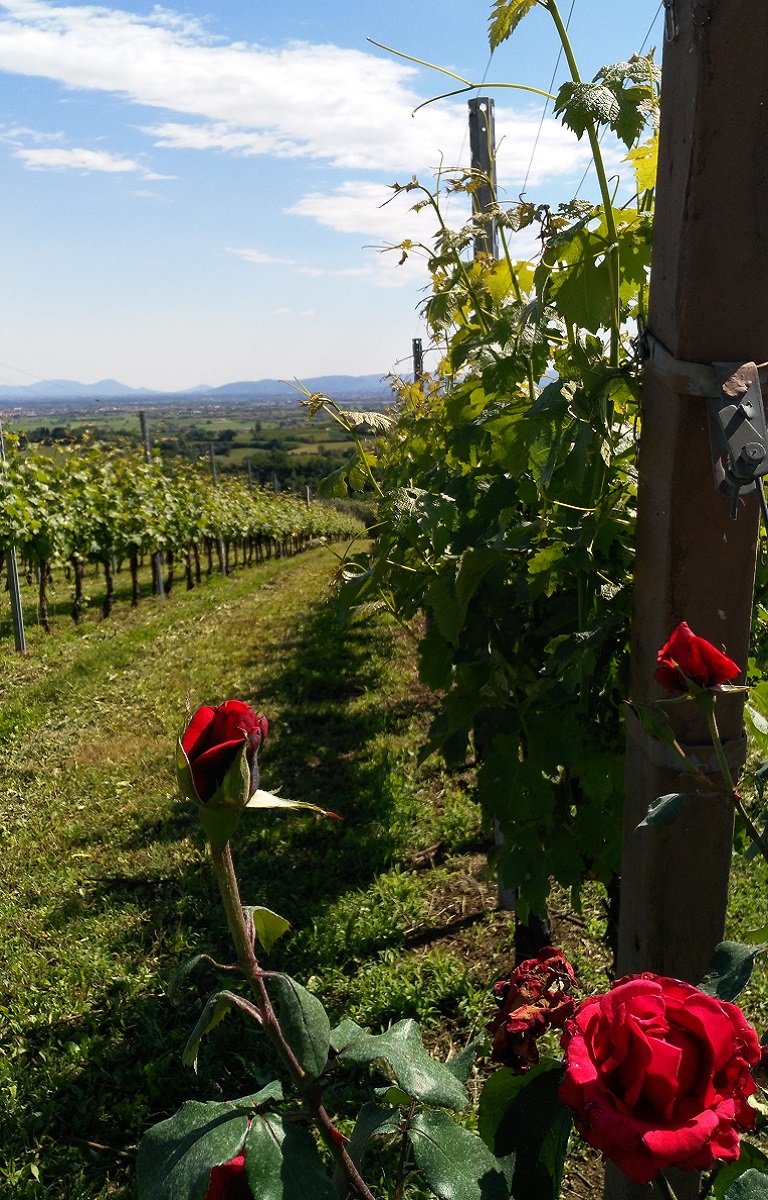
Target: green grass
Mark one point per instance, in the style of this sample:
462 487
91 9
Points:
106 887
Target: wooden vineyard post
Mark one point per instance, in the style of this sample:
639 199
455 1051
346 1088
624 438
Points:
694 563
157 557
221 549
14 591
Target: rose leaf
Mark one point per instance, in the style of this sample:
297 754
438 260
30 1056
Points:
304 1022
665 810
176 1157
729 969
455 1163
750 1158
752 1185
269 926
524 1122
282 1162
401 1047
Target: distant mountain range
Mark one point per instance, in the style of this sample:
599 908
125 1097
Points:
262 390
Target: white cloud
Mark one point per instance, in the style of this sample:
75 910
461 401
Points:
374 211
219 136
349 108
256 256
362 208
56 158
21 133
332 272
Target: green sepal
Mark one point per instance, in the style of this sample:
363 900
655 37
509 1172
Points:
219 815
234 791
261 799
184 775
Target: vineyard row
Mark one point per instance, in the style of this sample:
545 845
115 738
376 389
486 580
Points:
88 506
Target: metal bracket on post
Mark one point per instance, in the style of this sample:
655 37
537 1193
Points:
671 28
738 432
737 425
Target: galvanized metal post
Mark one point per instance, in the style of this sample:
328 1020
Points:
693 562
482 145
418 359
14 591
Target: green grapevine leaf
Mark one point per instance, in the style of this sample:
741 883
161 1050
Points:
506 15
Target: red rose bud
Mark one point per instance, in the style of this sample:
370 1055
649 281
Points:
658 1075
229 1181
696 658
217 763
535 998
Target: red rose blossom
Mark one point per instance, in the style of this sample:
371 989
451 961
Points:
695 657
657 1074
535 998
229 1181
214 738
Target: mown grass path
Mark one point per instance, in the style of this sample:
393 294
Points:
105 886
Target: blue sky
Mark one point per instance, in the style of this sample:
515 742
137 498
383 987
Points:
193 193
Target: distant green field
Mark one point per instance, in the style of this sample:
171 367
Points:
280 442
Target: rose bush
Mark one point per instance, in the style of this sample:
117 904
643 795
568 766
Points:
229 1181
696 658
658 1075
214 738
534 998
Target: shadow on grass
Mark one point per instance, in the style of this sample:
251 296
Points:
103 1078
112 1072
332 746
